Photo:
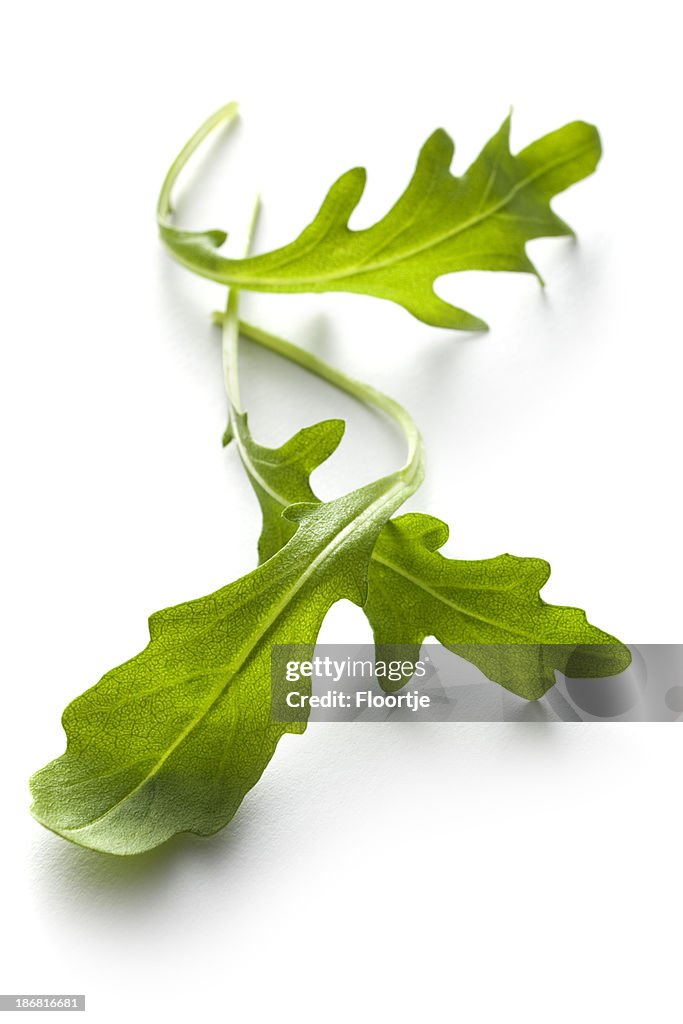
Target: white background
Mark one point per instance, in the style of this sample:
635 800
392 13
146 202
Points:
458 872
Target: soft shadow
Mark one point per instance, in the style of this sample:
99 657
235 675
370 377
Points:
320 334
434 370
69 876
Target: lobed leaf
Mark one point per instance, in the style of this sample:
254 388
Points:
441 224
276 473
173 739
489 611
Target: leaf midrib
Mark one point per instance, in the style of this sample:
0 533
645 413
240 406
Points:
444 600
328 551
360 269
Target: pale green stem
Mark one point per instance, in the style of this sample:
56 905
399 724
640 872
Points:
358 389
230 325
226 117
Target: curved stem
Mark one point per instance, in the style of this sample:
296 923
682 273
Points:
230 325
226 116
364 392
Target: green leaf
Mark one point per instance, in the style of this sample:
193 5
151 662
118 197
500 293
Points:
488 611
172 740
280 476
441 224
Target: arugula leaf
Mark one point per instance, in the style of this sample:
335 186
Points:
441 224
487 611
275 472
172 740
